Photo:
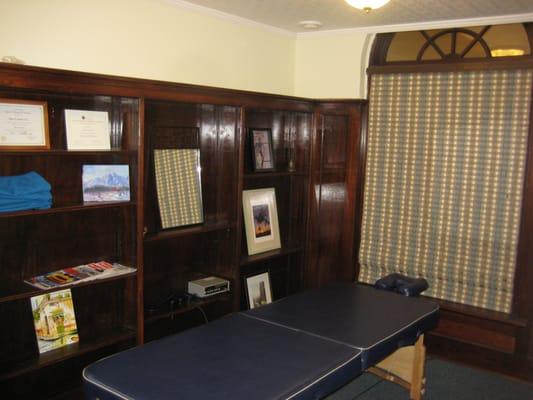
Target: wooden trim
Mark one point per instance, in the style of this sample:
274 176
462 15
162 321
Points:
38 78
140 226
380 48
523 62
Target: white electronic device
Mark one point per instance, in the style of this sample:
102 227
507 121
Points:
208 286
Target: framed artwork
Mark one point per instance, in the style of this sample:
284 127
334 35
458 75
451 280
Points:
258 290
24 125
261 220
262 153
106 183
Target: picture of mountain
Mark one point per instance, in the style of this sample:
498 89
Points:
106 183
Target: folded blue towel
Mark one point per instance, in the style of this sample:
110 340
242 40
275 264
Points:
25 205
24 192
20 185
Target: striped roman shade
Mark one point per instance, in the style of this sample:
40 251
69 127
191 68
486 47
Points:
444 177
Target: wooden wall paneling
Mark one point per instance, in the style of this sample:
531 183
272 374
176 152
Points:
291 133
522 300
334 179
142 112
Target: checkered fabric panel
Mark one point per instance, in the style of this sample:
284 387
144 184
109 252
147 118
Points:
444 178
178 187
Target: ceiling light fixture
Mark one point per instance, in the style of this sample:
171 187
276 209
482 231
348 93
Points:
367 5
310 24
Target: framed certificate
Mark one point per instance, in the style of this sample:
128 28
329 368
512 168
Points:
87 130
23 125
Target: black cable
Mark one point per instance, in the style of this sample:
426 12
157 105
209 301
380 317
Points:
198 307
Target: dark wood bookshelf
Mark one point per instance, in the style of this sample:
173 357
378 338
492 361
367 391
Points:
273 174
157 315
23 290
36 242
15 369
65 153
59 209
255 258
187 231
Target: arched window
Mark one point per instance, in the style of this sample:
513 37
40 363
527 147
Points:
453 45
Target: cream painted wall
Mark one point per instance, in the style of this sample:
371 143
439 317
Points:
149 39
331 65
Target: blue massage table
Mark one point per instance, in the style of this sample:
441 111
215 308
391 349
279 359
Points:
304 346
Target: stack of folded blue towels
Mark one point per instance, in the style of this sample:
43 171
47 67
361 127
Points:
24 192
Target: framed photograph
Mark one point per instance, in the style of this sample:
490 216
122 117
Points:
103 183
24 125
258 290
261 220
262 153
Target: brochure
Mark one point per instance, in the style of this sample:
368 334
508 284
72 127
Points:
80 273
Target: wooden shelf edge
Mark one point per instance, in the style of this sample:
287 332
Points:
192 230
273 174
247 260
27 291
160 315
67 352
68 209
65 152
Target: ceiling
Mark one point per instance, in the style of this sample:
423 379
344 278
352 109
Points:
336 14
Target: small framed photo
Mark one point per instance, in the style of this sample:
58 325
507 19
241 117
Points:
106 183
262 152
258 290
23 125
261 220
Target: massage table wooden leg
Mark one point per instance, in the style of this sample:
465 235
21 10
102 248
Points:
405 367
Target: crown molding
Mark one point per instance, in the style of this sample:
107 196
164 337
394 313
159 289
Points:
416 26
230 17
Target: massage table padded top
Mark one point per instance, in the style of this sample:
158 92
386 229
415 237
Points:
235 357
375 321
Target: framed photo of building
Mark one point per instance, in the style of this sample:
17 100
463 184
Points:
258 290
261 220
262 153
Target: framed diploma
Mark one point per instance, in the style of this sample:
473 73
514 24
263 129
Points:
23 125
87 130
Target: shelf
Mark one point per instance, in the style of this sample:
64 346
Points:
67 209
62 153
157 315
192 230
10 291
273 174
247 260
64 353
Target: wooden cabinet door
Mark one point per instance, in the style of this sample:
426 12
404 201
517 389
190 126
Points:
335 181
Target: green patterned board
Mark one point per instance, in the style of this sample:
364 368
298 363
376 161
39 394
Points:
179 193
444 176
